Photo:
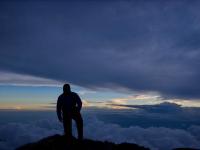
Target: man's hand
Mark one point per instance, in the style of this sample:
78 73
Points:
76 109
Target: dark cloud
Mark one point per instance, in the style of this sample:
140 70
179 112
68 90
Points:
144 46
166 114
165 107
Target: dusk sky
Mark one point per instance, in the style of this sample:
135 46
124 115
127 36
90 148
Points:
124 48
141 56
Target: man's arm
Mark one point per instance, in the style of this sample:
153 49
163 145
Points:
79 102
58 109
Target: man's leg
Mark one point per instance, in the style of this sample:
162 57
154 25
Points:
67 123
79 123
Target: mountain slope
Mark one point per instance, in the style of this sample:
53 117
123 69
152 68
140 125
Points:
58 142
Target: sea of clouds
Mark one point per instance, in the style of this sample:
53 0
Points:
15 134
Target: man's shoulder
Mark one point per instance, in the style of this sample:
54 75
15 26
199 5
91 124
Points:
60 96
74 93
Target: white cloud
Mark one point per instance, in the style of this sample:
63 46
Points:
9 78
152 137
16 134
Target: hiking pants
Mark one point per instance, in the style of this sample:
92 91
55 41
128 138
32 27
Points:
67 123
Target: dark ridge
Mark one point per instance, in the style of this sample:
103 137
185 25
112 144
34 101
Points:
58 142
186 149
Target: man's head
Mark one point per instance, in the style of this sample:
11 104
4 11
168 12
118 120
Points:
66 88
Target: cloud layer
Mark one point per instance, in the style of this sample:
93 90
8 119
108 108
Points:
139 45
16 134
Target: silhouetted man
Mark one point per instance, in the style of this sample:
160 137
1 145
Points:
68 107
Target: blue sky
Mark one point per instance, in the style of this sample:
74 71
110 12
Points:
17 93
17 96
25 92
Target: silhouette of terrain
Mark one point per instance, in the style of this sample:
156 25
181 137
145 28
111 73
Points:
185 149
58 142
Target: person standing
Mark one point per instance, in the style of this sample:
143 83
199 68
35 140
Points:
69 106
